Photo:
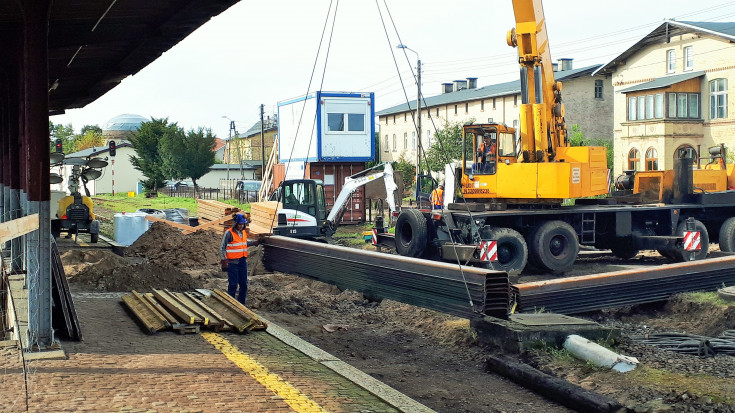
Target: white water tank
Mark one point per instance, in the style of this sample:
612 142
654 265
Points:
129 226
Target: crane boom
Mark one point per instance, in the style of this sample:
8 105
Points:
543 129
352 183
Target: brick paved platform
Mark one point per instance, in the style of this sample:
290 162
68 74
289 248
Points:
119 368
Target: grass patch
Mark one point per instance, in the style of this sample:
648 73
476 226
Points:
719 390
706 298
123 203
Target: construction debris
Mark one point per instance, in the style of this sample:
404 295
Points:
187 313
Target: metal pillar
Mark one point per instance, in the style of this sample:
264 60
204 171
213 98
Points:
35 29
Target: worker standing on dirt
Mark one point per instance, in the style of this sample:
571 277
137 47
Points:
234 254
437 197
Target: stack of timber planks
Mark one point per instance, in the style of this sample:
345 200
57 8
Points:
263 217
210 211
191 311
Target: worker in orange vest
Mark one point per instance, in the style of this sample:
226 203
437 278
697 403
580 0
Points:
234 254
437 197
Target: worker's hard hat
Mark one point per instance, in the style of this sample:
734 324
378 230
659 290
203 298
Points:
240 219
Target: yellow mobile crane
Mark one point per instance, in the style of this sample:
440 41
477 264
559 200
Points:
538 165
515 180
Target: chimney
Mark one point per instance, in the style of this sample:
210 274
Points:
565 64
447 88
460 85
471 83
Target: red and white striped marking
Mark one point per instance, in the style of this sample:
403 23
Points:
692 241
375 236
489 250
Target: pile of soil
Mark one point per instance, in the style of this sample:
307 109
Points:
141 277
167 246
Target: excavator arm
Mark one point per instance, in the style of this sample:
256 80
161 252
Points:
354 182
543 129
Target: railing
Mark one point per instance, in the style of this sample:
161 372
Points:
244 197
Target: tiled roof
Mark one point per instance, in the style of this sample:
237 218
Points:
663 82
490 91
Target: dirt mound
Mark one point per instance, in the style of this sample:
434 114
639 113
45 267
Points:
167 246
142 277
75 261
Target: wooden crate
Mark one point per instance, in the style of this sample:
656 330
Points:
263 217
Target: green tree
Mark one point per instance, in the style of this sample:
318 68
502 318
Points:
447 146
376 161
146 143
187 155
95 128
407 169
576 138
88 139
63 132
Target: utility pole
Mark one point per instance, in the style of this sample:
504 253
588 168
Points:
262 144
229 152
419 146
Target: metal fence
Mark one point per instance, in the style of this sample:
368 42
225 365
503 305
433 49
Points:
244 197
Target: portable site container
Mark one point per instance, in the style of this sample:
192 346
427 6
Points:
333 175
327 127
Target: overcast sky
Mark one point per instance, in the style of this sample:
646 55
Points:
264 52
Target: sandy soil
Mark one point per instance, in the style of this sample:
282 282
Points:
430 356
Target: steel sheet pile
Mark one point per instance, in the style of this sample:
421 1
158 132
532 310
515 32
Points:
646 285
429 284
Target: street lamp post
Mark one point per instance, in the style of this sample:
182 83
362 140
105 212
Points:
419 147
233 133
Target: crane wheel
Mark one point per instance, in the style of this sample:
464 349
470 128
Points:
554 246
411 233
512 250
681 256
727 235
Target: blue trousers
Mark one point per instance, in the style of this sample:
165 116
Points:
237 275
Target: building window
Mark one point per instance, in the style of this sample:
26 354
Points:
718 99
437 112
634 159
688 58
515 100
658 106
632 112
683 105
395 143
455 109
405 140
685 151
493 103
598 89
482 105
386 120
387 144
349 122
670 61
394 119
466 108
651 159
413 140
428 138
405 117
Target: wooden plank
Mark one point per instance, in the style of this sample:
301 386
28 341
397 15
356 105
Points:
208 225
174 306
18 227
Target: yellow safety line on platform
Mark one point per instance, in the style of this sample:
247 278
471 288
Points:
291 395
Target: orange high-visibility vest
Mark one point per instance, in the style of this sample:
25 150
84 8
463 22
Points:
437 197
238 247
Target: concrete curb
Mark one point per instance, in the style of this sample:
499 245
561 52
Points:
381 390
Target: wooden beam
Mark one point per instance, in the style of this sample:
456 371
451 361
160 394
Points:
18 227
208 225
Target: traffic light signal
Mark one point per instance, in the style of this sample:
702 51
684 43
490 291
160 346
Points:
113 149
59 146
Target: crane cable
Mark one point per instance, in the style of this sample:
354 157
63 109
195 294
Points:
459 263
308 88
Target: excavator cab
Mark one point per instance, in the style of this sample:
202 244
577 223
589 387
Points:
305 195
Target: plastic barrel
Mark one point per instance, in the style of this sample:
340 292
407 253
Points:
129 226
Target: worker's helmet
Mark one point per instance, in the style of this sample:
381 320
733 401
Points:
441 186
240 219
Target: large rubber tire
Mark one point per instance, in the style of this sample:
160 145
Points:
411 233
666 253
680 255
512 250
554 247
727 235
